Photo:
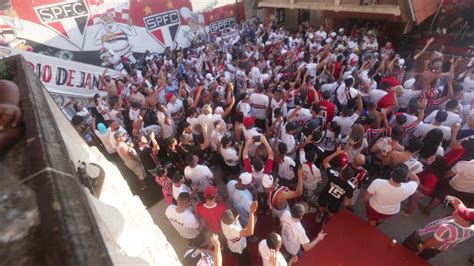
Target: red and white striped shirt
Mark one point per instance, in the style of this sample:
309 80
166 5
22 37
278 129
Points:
447 231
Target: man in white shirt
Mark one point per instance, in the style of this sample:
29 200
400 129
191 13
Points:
236 235
439 119
346 92
272 245
104 135
451 119
260 105
311 174
199 175
240 197
184 220
231 158
383 197
293 234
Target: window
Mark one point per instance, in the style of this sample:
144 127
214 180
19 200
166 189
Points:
280 15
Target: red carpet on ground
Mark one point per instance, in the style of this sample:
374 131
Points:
350 241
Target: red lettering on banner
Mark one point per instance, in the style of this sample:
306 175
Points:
70 78
31 65
87 83
47 74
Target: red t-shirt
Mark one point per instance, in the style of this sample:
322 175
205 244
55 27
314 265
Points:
337 70
212 215
328 109
428 180
385 101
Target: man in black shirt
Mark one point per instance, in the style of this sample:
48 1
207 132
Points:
313 124
337 190
148 152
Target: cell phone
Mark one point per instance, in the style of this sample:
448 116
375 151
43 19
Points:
256 138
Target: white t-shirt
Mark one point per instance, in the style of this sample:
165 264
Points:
230 156
331 87
105 139
376 95
303 115
386 198
185 223
346 123
176 111
292 233
329 140
179 190
424 128
464 179
450 120
288 139
265 253
343 95
407 95
245 108
259 103
311 173
286 168
199 175
232 234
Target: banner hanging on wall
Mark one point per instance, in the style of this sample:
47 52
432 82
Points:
64 77
97 31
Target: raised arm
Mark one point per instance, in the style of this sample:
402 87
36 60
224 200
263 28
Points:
428 43
328 159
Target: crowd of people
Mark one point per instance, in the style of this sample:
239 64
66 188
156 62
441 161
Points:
295 121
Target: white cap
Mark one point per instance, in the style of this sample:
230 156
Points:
341 29
267 181
218 110
408 84
245 178
333 34
401 61
209 77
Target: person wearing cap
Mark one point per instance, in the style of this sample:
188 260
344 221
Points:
104 135
211 211
184 221
383 197
293 233
337 190
130 158
236 235
443 234
241 197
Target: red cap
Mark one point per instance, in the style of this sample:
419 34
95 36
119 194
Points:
168 96
249 121
353 61
210 192
343 159
465 213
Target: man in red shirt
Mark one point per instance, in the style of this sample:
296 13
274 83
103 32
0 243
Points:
389 102
328 109
211 211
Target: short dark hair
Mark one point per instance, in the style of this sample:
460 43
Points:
183 196
189 158
413 107
316 108
225 140
401 119
282 148
397 132
77 120
400 173
349 81
257 164
160 171
273 240
452 104
414 144
441 116
310 156
228 217
177 177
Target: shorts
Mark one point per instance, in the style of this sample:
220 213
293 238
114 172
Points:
375 215
333 205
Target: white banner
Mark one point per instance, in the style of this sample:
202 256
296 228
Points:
61 76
